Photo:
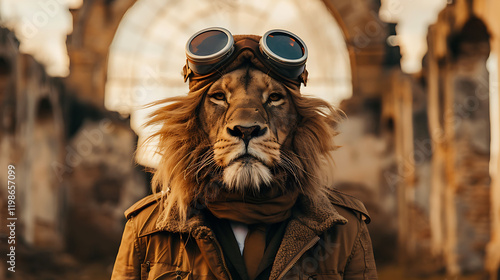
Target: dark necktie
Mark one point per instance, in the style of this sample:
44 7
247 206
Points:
255 245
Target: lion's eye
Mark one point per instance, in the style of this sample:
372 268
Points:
275 96
218 96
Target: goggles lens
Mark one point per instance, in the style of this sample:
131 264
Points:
284 45
209 42
281 50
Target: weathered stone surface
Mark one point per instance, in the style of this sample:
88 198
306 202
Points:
74 166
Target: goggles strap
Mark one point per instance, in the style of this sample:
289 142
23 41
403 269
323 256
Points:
187 72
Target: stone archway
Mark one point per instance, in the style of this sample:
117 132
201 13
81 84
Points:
365 35
96 22
94 27
146 54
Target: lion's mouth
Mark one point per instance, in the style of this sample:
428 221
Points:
245 159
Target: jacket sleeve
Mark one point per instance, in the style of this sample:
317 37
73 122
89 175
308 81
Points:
128 261
361 264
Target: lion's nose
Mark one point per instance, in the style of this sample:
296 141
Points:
247 132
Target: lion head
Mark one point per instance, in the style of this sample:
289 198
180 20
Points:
242 132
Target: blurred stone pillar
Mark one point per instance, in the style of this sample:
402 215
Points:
403 132
449 207
438 149
467 136
459 127
493 248
490 13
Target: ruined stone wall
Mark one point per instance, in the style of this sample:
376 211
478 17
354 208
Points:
463 110
32 114
74 166
447 203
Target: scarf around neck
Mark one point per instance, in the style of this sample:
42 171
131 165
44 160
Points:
271 206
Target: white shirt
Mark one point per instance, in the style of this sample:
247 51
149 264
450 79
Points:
240 231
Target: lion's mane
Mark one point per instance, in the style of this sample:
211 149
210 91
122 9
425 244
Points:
186 173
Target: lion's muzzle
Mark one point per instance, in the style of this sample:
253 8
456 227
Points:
248 159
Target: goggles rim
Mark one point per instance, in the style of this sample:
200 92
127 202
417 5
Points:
211 58
277 58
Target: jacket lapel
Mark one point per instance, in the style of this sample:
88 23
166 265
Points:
212 253
197 227
210 249
308 221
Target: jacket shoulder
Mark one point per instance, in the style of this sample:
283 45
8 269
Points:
146 202
347 201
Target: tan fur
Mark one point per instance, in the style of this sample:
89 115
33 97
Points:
198 156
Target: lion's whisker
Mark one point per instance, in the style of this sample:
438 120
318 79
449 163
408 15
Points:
290 166
178 163
208 155
290 161
205 157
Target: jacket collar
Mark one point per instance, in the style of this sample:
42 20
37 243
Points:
307 222
317 217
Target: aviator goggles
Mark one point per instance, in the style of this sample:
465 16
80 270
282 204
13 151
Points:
210 49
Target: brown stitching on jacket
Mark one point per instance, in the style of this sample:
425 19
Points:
364 253
136 242
370 265
355 245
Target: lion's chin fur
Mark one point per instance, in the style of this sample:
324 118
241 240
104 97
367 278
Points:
243 175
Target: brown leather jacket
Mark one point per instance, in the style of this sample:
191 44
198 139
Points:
323 241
